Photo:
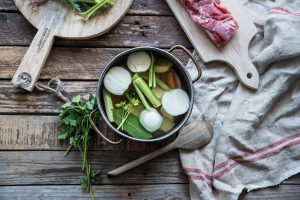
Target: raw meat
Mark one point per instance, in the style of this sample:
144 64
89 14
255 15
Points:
216 20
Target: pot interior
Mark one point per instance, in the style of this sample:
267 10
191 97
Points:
120 60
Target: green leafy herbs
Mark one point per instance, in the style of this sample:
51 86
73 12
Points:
131 125
87 8
75 128
126 107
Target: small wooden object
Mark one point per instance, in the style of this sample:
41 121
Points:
234 53
55 19
193 136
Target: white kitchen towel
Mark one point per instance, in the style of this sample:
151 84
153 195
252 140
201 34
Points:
256 139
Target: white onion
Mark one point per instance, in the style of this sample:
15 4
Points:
117 80
175 102
151 120
139 61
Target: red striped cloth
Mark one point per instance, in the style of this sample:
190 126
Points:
256 139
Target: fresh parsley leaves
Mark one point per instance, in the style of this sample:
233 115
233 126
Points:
75 128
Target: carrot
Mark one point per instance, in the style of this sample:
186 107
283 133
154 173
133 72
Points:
171 80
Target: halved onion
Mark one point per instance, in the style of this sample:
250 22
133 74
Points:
117 80
139 61
175 102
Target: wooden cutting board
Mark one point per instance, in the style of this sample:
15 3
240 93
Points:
234 53
55 19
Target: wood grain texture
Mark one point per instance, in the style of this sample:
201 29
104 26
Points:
8 5
33 132
234 53
30 133
15 100
66 63
117 192
287 192
109 192
138 7
52 167
159 31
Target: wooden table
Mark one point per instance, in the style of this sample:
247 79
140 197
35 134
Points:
32 162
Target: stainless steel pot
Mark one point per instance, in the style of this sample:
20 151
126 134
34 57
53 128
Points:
177 66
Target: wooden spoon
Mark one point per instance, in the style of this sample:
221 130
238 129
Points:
193 136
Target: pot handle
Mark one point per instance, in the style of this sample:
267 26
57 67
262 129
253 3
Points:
191 57
99 132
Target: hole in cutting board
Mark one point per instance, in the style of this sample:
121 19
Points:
249 75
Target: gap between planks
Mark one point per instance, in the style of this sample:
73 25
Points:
132 31
67 63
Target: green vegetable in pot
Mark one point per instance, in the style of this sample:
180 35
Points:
108 105
144 88
159 82
132 125
152 77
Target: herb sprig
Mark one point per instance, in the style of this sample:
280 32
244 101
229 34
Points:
127 106
75 128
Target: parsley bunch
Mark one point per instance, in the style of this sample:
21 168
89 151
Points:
86 8
75 128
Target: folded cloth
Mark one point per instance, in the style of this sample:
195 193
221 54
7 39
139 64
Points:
256 139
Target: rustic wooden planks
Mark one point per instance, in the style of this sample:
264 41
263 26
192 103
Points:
149 22
51 167
144 7
15 100
66 63
111 192
34 132
160 31
119 192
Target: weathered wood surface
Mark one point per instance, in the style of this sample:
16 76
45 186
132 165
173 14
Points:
139 7
29 151
52 167
118 192
34 132
109 192
66 63
160 31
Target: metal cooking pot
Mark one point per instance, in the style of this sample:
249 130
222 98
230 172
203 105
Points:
185 78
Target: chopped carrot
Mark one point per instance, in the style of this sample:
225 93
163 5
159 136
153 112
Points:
170 80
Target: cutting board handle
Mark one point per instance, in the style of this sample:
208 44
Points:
29 70
245 70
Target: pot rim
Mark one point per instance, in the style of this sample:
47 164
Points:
173 59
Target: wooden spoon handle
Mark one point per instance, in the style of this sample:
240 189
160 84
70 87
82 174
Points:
34 59
141 160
